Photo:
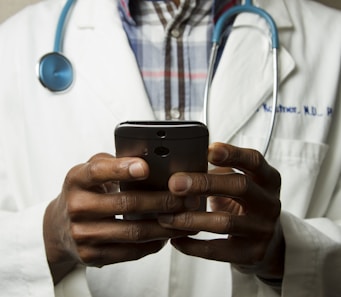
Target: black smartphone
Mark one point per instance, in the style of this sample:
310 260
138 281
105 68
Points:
167 147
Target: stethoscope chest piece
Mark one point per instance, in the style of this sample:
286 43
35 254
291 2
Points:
55 72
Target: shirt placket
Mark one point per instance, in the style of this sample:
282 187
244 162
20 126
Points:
171 50
176 84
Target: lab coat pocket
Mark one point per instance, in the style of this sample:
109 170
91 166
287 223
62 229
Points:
299 163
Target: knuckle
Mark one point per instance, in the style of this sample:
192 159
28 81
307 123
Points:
274 210
100 156
241 184
170 203
135 232
126 203
92 169
68 181
225 222
185 219
70 178
256 160
277 180
77 206
204 182
82 234
77 235
73 209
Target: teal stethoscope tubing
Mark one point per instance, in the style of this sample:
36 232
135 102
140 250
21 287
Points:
218 33
58 42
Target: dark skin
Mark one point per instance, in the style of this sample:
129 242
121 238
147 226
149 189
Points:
245 206
79 225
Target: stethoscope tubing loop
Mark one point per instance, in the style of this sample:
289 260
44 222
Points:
217 35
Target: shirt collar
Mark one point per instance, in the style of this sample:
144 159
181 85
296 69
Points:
219 7
124 7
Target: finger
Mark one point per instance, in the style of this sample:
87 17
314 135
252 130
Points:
98 256
102 170
241 187
121 231
238 186
100 156
238 251
246 160
227 204
89 205
232 184
218 222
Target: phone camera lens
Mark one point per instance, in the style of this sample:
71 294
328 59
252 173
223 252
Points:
161 151
161 133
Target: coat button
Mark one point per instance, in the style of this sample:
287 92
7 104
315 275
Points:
175 114
175 32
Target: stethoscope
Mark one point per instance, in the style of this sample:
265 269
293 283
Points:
55 71
217 37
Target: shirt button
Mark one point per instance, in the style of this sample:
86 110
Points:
175 33
175 114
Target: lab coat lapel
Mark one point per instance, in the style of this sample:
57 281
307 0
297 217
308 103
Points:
113 74
244 77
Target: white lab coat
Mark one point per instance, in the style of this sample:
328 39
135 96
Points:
42 135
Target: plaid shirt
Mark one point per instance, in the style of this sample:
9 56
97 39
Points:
172 47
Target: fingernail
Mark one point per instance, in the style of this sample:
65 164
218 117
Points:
136 170
181 183
217 154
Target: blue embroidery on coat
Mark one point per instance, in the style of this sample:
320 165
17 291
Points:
306 110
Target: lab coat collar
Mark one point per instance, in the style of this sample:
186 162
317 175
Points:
278 10
106 61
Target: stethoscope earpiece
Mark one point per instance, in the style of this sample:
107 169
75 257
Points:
55 72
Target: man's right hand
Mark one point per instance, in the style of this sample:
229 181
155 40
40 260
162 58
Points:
80 225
